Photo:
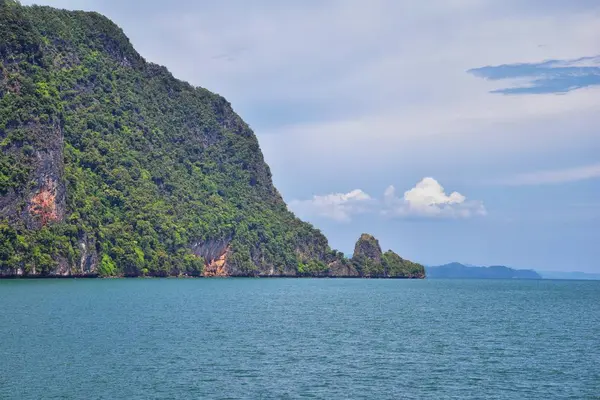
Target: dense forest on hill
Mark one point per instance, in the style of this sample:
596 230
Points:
111 166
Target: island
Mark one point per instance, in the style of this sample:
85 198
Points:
461 271
112 167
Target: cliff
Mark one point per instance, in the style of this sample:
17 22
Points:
110 166
369 261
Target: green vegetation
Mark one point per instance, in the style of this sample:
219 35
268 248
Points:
396 266
152 165
369 261
111 166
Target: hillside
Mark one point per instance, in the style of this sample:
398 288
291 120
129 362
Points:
457 270
111 166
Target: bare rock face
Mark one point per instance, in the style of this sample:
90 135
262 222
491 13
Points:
47 203
88 263
342 269
212 249
43 199
367 248
215 253
370 262
218 266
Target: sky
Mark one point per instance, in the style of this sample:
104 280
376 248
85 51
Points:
452 130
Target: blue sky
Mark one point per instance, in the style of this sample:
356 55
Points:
453 130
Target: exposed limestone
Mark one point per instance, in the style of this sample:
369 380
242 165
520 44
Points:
218 266
367 248
43 204
88 262
342 270
211 249
47 200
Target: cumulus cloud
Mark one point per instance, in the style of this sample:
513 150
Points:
337 206
427 199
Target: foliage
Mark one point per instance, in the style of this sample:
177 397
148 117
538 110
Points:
107 267
396 266
313 268
151 164
152 167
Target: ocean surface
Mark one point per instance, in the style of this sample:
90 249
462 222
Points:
299 339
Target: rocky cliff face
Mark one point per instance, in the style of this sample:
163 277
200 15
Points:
111 166
369 261
367 248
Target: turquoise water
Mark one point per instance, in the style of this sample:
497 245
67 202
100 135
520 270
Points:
299 338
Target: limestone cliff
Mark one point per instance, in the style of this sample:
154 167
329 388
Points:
369 261
110 166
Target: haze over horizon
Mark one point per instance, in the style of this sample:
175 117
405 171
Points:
463 130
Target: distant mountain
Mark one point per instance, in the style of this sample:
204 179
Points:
457 270
569 275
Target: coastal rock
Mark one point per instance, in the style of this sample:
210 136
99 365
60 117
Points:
367 257
342 269
367 248
369 261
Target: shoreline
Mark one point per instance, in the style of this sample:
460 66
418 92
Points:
90 276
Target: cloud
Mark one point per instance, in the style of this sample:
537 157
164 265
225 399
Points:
554 76
337 206
426 200
555 176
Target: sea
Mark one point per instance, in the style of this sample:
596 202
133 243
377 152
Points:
238 338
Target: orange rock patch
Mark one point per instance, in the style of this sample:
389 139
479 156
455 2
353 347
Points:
217 267
43 204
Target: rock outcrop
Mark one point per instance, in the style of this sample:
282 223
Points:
370 262
367 249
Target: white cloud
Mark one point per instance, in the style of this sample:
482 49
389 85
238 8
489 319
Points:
426 200
337 206
555 176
